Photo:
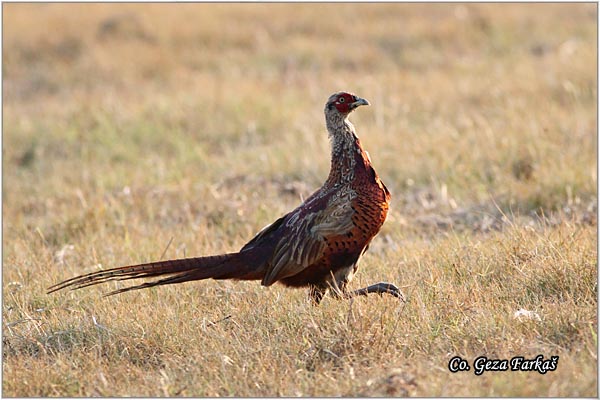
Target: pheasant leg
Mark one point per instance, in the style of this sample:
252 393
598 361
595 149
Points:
379 288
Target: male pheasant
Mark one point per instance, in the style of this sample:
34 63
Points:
318 245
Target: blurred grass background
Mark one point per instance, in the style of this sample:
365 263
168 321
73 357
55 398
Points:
129 129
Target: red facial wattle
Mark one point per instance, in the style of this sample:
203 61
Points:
343 103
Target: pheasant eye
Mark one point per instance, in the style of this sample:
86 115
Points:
341 99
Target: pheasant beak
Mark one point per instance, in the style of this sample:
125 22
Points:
359 102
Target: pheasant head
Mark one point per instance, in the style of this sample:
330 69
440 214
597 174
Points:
337 109
343 103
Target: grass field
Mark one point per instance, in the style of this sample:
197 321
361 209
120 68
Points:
133 132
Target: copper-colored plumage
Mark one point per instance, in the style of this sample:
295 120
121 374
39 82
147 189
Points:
317 245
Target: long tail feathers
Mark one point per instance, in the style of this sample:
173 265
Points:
225 266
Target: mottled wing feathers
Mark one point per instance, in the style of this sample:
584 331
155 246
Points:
338 220
304 242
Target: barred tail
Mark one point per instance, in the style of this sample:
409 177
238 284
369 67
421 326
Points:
224 266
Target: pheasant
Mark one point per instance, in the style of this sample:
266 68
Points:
318 245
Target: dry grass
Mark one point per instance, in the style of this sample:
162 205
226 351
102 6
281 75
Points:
132 125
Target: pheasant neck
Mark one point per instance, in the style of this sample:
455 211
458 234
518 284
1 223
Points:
345 147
